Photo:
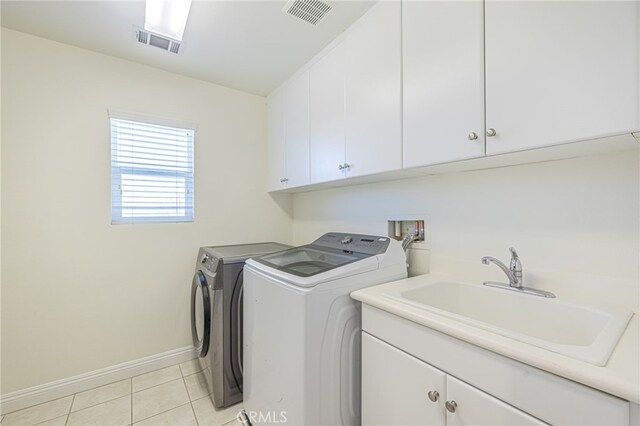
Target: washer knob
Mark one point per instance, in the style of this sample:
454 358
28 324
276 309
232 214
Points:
346 240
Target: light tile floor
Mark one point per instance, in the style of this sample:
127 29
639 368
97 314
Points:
172 396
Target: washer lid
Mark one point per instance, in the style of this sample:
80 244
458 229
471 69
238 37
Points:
310 260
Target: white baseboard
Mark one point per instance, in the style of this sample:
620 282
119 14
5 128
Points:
49 391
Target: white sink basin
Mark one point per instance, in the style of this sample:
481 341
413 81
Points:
580 332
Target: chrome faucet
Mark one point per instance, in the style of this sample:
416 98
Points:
514 273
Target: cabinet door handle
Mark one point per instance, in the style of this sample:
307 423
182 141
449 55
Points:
451 406
283 180
340 166
433 396
473 136
347 166
491 132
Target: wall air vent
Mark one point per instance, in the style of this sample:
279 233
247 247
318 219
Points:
157 40
311 11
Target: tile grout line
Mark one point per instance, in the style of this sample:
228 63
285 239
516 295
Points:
161 412
44 421
155 386
159 384
157 414
70 407
99 403
35 405
193 410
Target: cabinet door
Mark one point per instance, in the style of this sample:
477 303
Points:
443 81
373 91
275 141
476 408
560 71
395 387
326 116
296 130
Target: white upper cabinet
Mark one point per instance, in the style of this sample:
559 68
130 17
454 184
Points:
355 101
288 134
373 91
275 142
296 130
418 83
443 81
326 116
560 71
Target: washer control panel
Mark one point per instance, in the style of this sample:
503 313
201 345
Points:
367 244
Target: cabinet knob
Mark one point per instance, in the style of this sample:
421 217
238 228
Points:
451 406
340 166
433 396
491 132
473 136
347 166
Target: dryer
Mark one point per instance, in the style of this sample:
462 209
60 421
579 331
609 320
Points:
302 331
216 316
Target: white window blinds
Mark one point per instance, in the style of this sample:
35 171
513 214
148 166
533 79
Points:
151 172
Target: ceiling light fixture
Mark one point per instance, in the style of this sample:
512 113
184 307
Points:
167 17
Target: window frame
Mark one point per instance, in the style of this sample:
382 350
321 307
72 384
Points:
116 174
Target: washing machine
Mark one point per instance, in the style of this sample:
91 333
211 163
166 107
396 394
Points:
216 316
302 331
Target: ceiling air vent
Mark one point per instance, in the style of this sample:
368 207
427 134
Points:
157 40
311 11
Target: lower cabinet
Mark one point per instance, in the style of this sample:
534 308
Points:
399 389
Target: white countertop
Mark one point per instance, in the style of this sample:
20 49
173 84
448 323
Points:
619 377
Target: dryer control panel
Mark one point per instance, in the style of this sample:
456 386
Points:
366 244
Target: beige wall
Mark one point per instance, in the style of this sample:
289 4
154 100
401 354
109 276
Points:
79 294
574 222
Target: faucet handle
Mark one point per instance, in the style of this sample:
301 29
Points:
515 265
514 255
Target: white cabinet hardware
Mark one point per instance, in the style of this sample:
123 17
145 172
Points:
451 406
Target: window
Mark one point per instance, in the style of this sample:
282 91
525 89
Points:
151 172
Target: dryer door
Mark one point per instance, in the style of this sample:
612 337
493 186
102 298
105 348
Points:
200 314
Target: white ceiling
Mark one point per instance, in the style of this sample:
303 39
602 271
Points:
247 45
